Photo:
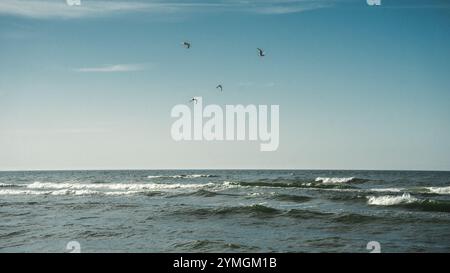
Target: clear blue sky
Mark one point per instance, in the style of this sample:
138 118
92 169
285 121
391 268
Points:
91 87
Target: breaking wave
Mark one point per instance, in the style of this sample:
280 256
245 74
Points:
439 190
387 189
3 185
288 184
48 188
182 176
115 186
390 200
67 192
408 201
337 180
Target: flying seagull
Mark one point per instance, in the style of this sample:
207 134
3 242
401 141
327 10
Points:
219 87
187 45
193 100
261 52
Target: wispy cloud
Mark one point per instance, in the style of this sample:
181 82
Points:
285 9
57 131
111 68
42 9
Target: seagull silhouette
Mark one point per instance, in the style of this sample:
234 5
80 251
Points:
219 87
193 100
261 52
187 45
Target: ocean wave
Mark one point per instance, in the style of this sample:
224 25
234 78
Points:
67 192
114 186
3 185
180 176
256 194
49 188
390 200
345 196
230 185
202 193
254 209
73 192
354 218
408 201
251 210
337 180
307 214
23 192
387 189
439 190
292 198
286 184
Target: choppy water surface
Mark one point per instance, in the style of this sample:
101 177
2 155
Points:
225 211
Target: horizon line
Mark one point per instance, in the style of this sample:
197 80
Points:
227 169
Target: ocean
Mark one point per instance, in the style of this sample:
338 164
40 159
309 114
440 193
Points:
224 211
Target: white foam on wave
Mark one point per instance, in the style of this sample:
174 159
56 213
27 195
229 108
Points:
390 200
66 192
256 194
334 180
181 176
91 192
73 192
114 186
22 192
439 190
49 188
199 175
388 189
231 184
3 185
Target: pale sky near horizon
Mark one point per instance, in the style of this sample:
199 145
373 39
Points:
92 87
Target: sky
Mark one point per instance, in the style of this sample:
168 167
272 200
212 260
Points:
92 86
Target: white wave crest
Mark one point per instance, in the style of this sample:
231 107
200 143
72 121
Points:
66 192
49 188
387 189
114 186
23 192
181 176
390 200
74 192
439 190
334 180
231 184
3 185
